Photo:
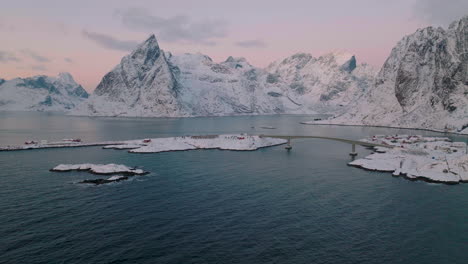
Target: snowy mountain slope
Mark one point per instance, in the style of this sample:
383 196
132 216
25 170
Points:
330 83
151 82
226 88
41 93
423 83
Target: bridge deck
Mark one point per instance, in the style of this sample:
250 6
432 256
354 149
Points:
349 141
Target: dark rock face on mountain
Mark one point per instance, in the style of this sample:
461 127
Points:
41 93
430 68
350 65
423 83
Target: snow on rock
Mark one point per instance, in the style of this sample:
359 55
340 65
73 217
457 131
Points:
422 84
416 157
100 169
41 93
151 82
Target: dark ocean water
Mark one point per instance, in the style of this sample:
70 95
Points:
211 206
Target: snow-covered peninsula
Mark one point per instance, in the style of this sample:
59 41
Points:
155 145
433 159
223 142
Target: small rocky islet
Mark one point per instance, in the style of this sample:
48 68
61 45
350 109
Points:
118 172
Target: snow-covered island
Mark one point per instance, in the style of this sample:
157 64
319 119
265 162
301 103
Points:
223 142
433 159
101 169
118 172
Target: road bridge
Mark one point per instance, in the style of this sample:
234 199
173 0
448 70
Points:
344 140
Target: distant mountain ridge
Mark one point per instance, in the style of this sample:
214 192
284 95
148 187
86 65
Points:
41 93
151 82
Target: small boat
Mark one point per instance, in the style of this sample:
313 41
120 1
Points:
147 140
268 127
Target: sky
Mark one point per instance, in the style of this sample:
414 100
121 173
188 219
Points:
88 38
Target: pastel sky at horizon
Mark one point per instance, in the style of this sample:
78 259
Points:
88 38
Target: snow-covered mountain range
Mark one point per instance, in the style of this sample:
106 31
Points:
41 93
423 83
151 82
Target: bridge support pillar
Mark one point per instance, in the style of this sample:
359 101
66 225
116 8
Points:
288 147
353 150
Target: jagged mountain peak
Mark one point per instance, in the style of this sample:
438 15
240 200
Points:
66 77
299 59
350 65
429 32
463 21
194 60
235 59
237 62
337 57
147 52
143 84
150 41
230 59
